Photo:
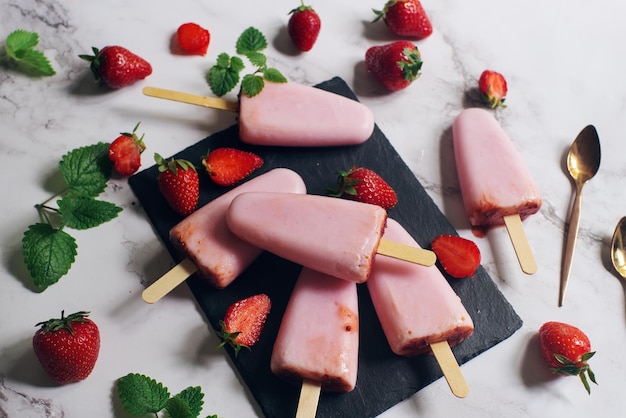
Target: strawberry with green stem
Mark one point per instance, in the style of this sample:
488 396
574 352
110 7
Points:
406 18
244 321
116 67
304 27
364 185
179 184
395 65
493 88
125 152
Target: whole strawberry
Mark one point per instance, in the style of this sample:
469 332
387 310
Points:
125 152
304 27
566 350
244 320
178 182
227 166
395 65
68 347
364 185
493 88
116 66
406 18
193 38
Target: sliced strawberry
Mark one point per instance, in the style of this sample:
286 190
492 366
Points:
458 256
193 38
244 320
125 152
227 166
493 88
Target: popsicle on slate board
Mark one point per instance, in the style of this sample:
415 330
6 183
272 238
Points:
418 310
496 186
318 340
290 114
334 236
209 246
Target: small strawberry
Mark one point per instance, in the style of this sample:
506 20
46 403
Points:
364 185
492 86
406 18
193 38
125 152
395 65
116 66
458 256
243 322
178 182
566 350
227 166
303 27
68 347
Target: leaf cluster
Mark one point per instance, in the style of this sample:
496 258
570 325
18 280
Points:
48 250
142 395
226 73
21 55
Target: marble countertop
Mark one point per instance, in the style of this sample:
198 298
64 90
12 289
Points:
564 73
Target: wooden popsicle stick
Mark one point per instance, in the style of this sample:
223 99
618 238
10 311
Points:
212 102
406 252
450 368
309 398
521 245
169 281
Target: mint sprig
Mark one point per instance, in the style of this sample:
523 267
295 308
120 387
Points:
48 250
21 55
142 395
226 73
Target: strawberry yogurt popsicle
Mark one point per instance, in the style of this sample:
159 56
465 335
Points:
211 249
496 185
418 310
334 236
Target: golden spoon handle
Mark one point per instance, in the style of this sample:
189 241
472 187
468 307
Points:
572 234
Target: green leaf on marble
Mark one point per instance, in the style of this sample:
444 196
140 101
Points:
86 212
21 55
87 169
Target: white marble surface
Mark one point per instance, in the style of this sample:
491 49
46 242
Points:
564 68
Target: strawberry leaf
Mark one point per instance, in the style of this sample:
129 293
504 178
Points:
194 398
251 40
85 213
141 395
87 169
19 49
225 74
48 253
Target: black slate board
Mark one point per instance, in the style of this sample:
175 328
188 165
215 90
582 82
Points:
384 379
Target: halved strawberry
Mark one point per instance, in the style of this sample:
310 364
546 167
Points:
244 320
227 166
493 88
458 256
125 152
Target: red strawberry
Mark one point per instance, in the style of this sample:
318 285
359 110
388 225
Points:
364 185
395 65
227 166
68 347
116 66
566 350
244 320
458 256
178 182
406 18
304 26
492 86
193 38
125 152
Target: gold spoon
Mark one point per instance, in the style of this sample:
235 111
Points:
618 252
583 161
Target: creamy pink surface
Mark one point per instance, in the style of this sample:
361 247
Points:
318 339
334 236
205 238
493 178
292 114
415 304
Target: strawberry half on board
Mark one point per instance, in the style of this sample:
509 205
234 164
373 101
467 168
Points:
493 88
395 65
179 184
459 257
243 322
117 67
227 166
406 18
67 347
364 185
566 349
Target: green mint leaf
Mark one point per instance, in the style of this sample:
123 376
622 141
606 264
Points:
225 74
251 40
141 395
87 169
194 398
19 48
212 416
178 408
19 41
257 59
35 63
273 75
237 64
252 84
86 212
48 253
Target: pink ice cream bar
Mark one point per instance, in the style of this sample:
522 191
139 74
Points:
494 180
318 339
291 114
206 240
415 304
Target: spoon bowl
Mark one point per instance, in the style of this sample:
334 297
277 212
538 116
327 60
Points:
583 161
618 248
